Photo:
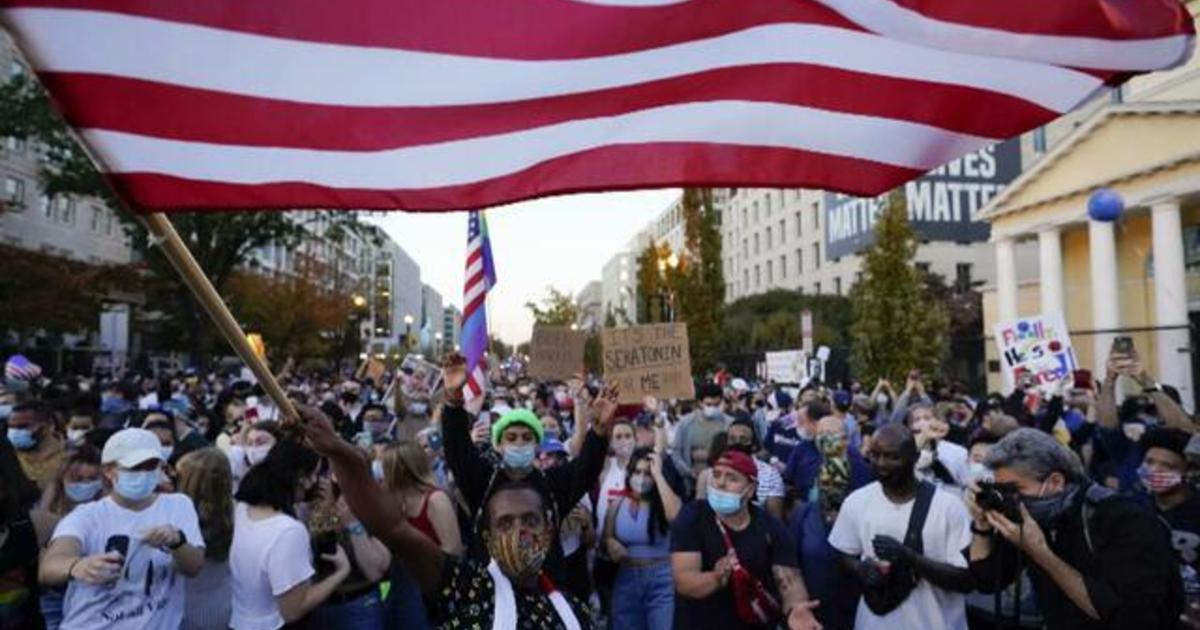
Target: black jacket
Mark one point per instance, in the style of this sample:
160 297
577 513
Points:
1129 568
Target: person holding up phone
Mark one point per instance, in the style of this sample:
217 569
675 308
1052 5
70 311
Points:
123 557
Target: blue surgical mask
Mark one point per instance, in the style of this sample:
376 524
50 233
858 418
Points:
136 485
724 503
551 434
22 439
83 491
519 457
167 452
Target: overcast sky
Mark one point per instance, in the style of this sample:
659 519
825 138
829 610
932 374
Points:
561 242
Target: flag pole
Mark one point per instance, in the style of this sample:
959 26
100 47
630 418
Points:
163 233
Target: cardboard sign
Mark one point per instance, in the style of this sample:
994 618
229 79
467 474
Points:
422 377
1035 349
556 352
648 361
375 370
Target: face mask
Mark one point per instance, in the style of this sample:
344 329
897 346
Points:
256 454
5 411
978 471
519 457
1159 481
22 439
724 503
1133 430
167 452
136 485
83 491
831 445
418 409
75 436
712 412
552 434
623 449
641 484
1046 510
881 400
519 552
377 470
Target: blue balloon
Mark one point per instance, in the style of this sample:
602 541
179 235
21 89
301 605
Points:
1105 205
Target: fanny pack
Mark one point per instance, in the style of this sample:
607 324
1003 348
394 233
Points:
901 580
755 604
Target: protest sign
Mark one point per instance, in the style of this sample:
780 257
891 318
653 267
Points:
648 361
423 377
556 352
787 366
1035 349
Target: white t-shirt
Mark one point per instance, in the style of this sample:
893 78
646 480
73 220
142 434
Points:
955 458
867 513
266 559
612 484
149 594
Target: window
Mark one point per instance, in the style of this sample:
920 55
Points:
857 277
799 225
15 145
817 288
108 223
1039 140
923 267
770 241
14 191
745 281
962 275
796 194
756 212
783 267
745 217
757 277
782 231
799 262
768 204
817 257
756 244
837 286
47 206
745 248
64 210
770 272
815 211
94 224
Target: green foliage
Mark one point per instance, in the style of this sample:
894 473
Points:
898 325
557 309
221 242
771 321
699 283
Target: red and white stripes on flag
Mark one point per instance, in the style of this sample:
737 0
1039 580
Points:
443 105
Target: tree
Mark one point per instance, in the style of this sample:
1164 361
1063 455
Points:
897 325
221 242
651 286
498 350
33 286
557 309
699 284
268 306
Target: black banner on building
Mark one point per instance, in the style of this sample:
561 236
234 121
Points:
942 204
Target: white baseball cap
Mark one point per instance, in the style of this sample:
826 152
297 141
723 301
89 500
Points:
131 447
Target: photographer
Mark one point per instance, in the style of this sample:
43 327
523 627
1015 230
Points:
1095 560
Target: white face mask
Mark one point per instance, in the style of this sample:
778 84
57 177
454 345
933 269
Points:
979 471
256 454
712 411
75 436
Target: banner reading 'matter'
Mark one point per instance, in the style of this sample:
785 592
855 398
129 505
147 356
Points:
648 361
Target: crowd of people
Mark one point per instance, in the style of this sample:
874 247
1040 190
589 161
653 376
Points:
188 500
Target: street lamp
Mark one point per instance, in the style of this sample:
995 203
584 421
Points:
359 301
408 322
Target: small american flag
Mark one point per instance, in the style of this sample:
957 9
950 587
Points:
481 277
19 368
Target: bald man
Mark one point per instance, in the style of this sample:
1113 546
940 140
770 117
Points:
871 533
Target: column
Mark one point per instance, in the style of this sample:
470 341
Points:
1174 366
1006 280
1106 309
1051 270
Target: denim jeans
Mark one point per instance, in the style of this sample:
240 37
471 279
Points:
644 598
405 610
361 613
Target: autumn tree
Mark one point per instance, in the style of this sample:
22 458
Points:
898 325
556 309
33 286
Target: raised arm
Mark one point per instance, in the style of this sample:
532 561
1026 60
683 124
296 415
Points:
376 509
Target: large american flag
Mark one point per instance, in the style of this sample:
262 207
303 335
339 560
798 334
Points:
480 278
432 105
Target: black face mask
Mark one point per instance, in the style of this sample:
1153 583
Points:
745 448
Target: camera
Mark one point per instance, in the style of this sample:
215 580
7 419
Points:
999 497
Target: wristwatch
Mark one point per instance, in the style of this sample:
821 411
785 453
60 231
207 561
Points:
179 543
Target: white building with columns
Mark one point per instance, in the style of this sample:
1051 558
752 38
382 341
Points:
1138 276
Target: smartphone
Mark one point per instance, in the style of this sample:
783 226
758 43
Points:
1083 379
118 543
1122 345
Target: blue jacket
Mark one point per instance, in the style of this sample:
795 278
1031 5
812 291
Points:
805 464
